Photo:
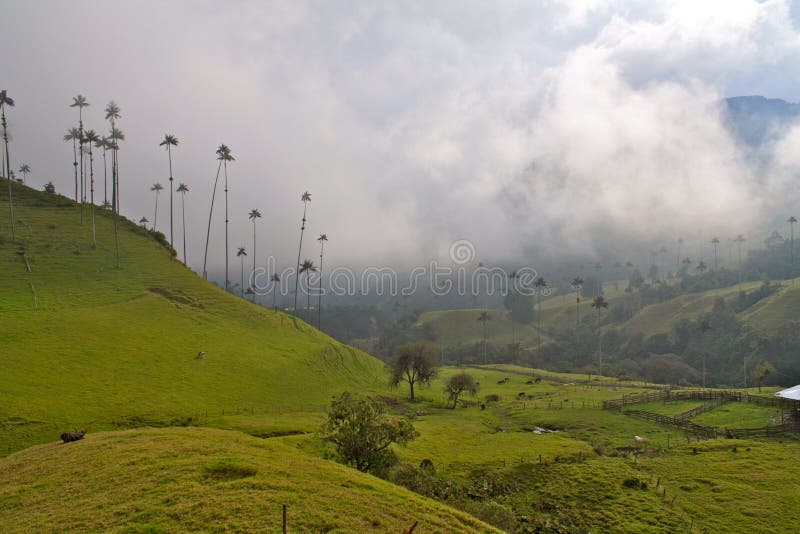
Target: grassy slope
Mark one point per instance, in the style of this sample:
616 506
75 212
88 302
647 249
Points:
169 480
112 348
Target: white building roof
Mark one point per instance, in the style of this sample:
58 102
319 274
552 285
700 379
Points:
790 393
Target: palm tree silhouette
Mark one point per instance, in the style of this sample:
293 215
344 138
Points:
221 149
143 221
254 215
701 267
305 199
715 242
170 141
183 189
539 284
791 220
322 239
7 101
241 254
577 284
106 144
24 170
599 303
112 114
80 102
739 240
484 318
73 134
275 279
308 267
90 138
157 187
225 159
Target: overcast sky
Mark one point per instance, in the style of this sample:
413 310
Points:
526 127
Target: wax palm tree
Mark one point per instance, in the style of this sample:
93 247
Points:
599 303
73 134
8 102
484 318
540 285
701 267
183 189
715 242
112 114
305 199
157 187
90 138
143 221
80 102
226 158
739 240
105 144
791 220
308 267
254 215
24 170
577 284
241 255
222 152
275 279
322 239
169 142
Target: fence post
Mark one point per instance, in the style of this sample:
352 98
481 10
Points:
284 519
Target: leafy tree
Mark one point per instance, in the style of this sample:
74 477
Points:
414 363
761 372
362 432
169 142
49 187
459 384
305 198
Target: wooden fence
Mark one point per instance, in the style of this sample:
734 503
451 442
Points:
708 432
667 395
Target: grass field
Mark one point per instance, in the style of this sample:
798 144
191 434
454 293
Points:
115 348
202 480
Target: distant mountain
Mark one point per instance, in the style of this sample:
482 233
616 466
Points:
756 120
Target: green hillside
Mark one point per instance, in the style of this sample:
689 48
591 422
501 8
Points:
106 348
202 480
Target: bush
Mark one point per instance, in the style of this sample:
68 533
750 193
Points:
634 483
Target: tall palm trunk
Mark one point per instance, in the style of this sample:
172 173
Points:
169 155
227 283
319 288
539 325
577 307
8 175
308 289
114 195
252 274
183 217
80 151
155 215
75 165
274 304
242 262
105 177
299 251
208 231
91 184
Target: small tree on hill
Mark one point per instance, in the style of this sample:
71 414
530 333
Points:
761 372
414 363
458 384
362 432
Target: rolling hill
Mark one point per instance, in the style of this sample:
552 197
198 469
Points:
106 348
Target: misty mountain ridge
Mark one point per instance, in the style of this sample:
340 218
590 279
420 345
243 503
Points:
756 120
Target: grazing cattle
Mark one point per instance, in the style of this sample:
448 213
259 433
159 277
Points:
67 437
